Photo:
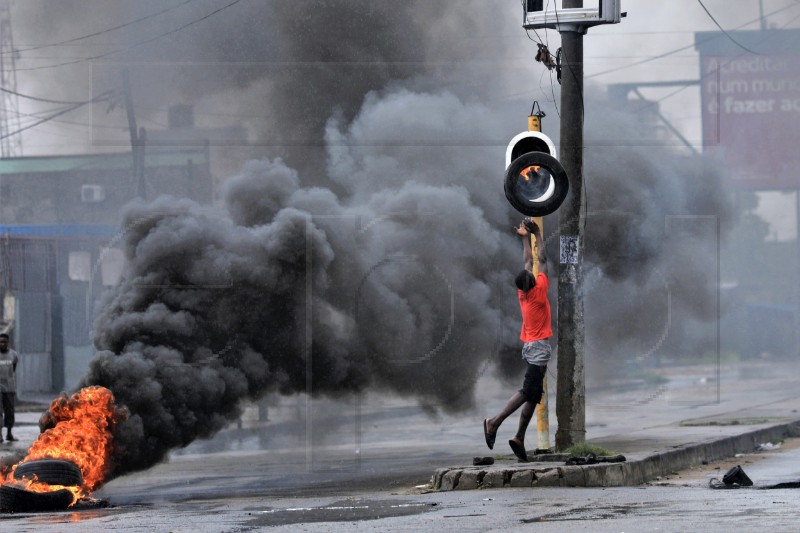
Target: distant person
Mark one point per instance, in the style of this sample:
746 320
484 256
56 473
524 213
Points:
8 385
536 330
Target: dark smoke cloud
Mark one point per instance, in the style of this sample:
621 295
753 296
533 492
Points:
211 312
400 283
656 220
282 67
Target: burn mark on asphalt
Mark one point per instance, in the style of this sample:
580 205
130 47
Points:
594 512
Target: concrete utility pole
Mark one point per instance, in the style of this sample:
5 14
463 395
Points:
570 394
137 138
572 19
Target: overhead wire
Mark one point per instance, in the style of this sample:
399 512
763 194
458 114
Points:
676 50
99 98
38 115
37 98
703 76
101 32
734 41
549 71
541 44
687 47
135 45
546 44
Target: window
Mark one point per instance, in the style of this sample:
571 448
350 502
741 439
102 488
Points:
80 266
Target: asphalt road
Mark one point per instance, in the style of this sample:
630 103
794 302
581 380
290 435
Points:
360 464
683 502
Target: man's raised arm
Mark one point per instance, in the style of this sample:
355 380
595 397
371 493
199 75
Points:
537 234
527 253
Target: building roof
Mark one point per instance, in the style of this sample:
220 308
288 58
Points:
58 230
780 42
111 161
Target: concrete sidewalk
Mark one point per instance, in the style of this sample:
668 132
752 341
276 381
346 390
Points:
650 452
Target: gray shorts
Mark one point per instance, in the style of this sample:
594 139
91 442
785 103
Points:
537 352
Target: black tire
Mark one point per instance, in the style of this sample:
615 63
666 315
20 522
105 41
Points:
525 205
16 500
52 471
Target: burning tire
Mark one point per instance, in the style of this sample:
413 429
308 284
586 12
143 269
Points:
536 184
51 471
15 499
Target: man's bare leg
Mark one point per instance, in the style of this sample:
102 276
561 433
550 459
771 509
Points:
513 404
525 417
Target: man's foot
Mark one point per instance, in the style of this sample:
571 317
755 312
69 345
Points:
519 450
488 436
10 437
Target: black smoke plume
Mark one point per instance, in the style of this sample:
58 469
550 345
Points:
289 289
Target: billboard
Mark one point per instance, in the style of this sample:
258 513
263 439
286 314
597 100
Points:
750 97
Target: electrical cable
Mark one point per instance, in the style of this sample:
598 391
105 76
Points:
687 47
702 77
136 45
734 41
99 98
541 44
38 99
552 85
67 122
95 34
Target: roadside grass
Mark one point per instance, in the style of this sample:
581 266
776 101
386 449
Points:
582 449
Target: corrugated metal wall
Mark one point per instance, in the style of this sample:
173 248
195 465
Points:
27 274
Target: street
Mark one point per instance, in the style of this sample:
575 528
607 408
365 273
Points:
682 503
264 476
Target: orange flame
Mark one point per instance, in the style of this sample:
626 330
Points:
527 172
77 429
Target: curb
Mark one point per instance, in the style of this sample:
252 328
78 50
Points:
630 473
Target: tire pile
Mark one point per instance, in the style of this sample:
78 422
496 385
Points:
51 471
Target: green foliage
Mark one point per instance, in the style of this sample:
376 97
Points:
582 449
793 431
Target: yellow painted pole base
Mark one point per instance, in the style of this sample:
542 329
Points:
543 420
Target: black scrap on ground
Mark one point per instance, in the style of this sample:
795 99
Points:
735 478
592 459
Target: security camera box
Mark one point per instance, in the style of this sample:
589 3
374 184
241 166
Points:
557 13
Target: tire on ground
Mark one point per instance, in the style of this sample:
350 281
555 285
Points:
17 500
51 471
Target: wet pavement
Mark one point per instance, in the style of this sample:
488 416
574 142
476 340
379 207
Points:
376 458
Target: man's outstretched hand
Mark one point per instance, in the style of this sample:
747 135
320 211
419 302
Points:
530 226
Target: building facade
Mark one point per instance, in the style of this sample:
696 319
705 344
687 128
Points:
59 222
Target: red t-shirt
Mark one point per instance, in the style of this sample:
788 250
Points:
535 308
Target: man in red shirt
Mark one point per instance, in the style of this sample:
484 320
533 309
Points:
536 329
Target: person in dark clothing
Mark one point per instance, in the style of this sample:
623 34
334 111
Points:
8 385
536 330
